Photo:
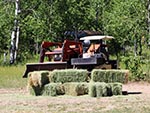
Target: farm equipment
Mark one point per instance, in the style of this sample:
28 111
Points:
58 58
74 54
95 54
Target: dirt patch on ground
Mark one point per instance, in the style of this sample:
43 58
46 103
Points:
19 101
136 87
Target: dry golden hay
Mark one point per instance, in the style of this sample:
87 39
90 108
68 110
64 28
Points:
60 89
33 79
38 78
36 82
76 88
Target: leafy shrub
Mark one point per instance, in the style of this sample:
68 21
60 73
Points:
134 64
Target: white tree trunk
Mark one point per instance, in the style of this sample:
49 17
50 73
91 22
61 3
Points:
15 35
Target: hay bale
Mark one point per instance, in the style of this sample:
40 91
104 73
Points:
109 90
86 88
92 89
116 88
60 89
126 75
75 88
109 76
50 89
53 89
50 76
35 90
36 82
98 89
69 75
97 76
38 78
101 89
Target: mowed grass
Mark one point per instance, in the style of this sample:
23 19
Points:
12 101
11 76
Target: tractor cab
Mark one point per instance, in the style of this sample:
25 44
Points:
95 53
94 46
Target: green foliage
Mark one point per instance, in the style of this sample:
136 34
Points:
6 24
75 14
134 64
126 21
47 20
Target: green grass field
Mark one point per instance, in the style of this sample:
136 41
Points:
11 76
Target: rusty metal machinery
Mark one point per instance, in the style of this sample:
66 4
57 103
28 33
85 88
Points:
58 58
71 54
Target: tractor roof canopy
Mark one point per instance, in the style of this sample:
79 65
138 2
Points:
97 37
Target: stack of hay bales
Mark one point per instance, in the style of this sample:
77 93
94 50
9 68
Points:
102 89
107 82
59 82
67 81
75 82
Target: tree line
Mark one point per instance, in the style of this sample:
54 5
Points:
40 20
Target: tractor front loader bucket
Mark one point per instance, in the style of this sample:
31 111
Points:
44 66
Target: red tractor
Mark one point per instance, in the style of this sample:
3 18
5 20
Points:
73 54
58 58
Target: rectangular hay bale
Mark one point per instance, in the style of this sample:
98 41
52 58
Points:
69 75
116 88
53 89
101 89
50 89
98 89
109 76
36 82
76 88
38 78
92 89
